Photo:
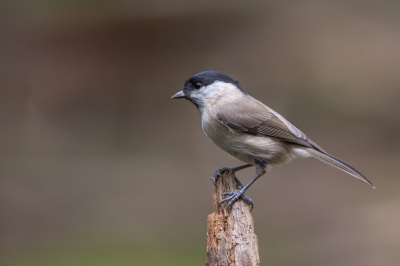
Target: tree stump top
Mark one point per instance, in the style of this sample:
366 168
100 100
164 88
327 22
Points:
230 235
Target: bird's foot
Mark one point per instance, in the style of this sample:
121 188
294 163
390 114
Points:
234 196
220 171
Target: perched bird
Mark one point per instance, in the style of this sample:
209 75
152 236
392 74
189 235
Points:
249 130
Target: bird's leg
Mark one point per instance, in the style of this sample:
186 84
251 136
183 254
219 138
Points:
219 172
234 196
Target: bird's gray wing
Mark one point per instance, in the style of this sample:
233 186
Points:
295 131
257 119
253 117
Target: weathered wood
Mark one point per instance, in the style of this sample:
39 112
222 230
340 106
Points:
230 235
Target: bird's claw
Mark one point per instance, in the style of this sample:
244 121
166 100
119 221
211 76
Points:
220 171
234 196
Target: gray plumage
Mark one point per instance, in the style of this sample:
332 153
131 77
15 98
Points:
249 130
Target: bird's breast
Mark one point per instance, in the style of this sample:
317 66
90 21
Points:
218 133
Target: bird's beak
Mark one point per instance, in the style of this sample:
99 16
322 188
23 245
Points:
178 95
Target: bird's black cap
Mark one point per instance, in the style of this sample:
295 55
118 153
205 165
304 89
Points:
208 77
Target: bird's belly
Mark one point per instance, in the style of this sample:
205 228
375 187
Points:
249 148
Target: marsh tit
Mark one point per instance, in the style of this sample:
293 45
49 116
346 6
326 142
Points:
249 130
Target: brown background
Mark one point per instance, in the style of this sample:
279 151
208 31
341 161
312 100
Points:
99 167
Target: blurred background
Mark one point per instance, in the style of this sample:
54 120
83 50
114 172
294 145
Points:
100 167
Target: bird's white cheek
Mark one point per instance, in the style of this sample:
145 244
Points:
196 98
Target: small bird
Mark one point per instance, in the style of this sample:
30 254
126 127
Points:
249 130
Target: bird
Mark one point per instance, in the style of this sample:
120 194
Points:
250 131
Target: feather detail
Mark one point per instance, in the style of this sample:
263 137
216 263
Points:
254 118
335 162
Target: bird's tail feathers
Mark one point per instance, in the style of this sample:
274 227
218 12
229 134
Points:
335 162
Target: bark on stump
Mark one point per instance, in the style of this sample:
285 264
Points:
230 235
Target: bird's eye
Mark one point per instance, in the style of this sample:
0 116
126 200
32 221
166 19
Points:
198 85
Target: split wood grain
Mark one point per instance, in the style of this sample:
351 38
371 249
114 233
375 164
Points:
230 233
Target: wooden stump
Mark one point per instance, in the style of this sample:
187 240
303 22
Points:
230 235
